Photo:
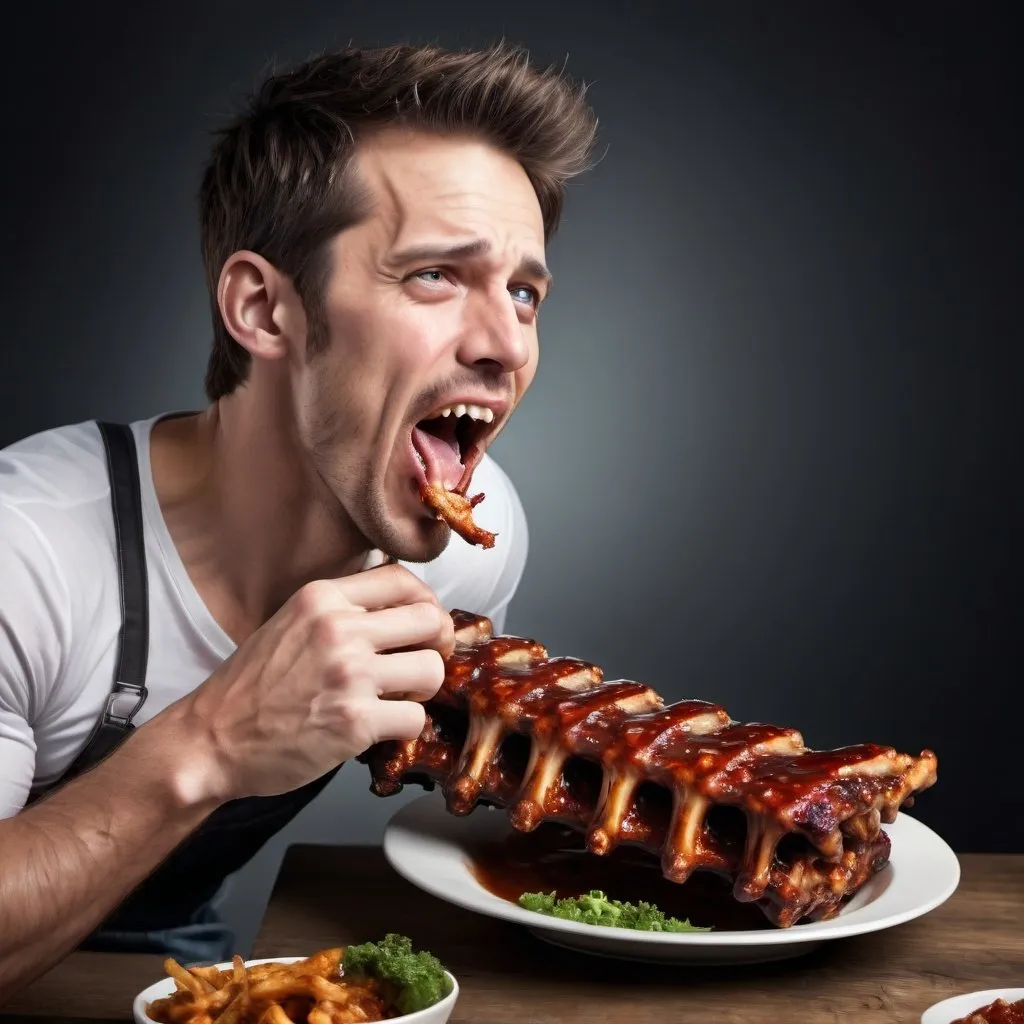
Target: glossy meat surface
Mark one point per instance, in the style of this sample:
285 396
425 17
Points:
551 740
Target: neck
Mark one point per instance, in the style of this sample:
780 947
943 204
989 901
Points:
250 518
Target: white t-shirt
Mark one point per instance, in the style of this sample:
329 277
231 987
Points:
60 603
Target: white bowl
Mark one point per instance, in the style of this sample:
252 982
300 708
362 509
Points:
436 1014
959 1006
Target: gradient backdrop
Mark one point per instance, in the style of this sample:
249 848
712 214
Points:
769 457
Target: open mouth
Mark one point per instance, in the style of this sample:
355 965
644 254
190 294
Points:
450 443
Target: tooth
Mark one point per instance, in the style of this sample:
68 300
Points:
479 412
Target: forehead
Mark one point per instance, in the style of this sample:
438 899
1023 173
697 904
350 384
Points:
447 188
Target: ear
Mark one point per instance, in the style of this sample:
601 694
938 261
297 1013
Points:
258 305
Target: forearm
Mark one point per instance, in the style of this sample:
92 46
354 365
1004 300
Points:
68 861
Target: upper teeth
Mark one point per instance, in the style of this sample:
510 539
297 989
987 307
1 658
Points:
477 412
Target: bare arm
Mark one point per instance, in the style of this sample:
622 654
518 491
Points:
68 861
341 666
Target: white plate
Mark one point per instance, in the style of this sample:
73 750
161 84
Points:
427 845
959 1006
436 1014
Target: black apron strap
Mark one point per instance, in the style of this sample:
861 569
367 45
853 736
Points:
171 911
129 690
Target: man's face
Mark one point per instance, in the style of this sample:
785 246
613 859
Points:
431 304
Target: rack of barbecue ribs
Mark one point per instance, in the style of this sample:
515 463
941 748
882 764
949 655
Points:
550 740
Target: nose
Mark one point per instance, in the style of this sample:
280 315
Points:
493 335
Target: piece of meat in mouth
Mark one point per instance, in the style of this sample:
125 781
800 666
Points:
448 448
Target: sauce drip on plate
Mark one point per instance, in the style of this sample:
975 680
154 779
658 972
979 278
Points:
554 858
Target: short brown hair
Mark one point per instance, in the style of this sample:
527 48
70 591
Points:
277 182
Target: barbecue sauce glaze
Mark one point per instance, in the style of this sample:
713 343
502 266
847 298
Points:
554 858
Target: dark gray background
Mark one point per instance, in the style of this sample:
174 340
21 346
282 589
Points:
769 459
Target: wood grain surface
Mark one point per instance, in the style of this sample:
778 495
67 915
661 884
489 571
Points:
326 896
334 895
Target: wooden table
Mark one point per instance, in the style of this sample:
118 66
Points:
334 895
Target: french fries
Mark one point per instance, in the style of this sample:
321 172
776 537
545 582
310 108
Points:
310 991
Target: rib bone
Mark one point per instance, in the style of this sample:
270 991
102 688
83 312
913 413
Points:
797 830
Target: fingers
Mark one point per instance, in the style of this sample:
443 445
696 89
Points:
398 720
411 675
386 586
411 625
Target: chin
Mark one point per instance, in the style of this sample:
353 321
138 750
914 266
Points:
434 538
406 539
425 547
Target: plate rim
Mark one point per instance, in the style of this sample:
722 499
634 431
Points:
934 1014
836 928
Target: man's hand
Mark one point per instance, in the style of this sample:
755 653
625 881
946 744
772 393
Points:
342 665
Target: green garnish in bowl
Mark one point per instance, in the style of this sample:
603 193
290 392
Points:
413 981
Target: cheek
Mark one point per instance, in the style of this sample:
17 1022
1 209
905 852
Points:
384 342
337 388
378 361
331 410
429 332
525 374
353 327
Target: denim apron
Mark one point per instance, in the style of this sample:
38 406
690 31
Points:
172 911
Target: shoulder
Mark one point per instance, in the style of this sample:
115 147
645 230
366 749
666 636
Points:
55 529
58 567
56 482
484 580
34 612
63 464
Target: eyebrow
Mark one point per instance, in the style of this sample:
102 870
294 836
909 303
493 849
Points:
529 265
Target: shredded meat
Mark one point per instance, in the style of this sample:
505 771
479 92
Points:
457 511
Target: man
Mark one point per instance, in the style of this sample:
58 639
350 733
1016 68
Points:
196 627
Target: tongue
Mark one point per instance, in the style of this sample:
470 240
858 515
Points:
441 456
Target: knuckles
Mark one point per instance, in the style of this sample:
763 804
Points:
430 618
350 669
333 631
337 636
353 719
315 598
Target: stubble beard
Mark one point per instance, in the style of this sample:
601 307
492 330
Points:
366 511
406 540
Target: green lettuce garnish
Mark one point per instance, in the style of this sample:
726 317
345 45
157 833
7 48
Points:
595 908
412 981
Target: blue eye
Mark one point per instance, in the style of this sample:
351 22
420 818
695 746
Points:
438 275
531 295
